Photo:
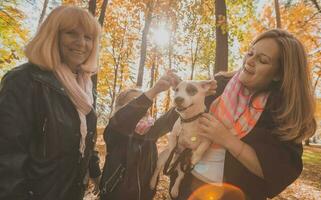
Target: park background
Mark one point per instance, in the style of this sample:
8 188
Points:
143 38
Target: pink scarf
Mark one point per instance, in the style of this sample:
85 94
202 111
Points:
144 125
79 90
233 107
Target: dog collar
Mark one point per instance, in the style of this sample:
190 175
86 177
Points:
191 119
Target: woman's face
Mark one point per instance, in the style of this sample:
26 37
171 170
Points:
75 47
261 65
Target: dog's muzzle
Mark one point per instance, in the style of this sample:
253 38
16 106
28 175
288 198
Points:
181 108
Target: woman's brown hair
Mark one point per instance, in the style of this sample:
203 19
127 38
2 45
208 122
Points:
295 108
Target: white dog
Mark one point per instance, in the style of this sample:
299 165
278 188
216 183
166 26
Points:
189 100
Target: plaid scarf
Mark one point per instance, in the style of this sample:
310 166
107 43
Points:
237 108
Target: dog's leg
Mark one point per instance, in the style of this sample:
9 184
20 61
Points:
199 151
175 188
163 156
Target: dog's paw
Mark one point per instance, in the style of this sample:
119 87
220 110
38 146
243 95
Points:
152 183
194 159
174 192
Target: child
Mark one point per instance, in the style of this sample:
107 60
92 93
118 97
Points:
131 138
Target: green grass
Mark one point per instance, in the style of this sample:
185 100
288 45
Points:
312 156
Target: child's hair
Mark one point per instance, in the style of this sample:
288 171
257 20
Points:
125 96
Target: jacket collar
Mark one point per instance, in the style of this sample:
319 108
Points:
48 78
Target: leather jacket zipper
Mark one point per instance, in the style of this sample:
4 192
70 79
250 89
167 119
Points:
138 170
44 128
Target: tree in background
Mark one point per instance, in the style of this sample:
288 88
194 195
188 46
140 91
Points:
148 13
221 52
118 47
277 14
193 48
43 12
13 35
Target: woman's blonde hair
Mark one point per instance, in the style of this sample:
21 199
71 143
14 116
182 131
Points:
43 49
294 105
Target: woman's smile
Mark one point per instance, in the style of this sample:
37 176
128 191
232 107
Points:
75 47
248 71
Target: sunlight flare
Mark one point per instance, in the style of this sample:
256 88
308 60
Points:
161 36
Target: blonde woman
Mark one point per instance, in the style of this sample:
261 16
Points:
257 123
48 125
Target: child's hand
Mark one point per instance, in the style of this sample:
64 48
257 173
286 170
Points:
162 84
175 79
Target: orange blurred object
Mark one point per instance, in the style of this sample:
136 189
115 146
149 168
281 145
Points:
217 192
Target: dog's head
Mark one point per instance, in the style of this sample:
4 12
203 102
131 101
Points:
189 96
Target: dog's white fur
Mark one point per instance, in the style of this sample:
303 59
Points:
189 95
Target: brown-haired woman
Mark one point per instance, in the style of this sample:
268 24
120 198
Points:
48 125
257 121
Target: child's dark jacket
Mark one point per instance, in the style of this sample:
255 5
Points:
134 153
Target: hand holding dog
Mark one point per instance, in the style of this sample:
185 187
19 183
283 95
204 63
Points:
216 131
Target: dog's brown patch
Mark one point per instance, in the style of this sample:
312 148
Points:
191 89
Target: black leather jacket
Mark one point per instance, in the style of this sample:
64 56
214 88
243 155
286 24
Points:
39 138
131 158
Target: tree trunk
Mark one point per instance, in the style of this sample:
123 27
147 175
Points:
43 12
152 79
170 54
92 10
154 107
113 97
316 83
277 14
170 50
152 74
148 20
194 56
121 78
92 7
103 12
221 50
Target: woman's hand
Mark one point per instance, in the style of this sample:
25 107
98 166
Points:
223 135
215 130
212 89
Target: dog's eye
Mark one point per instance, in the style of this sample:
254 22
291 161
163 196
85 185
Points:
191 90
176 89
